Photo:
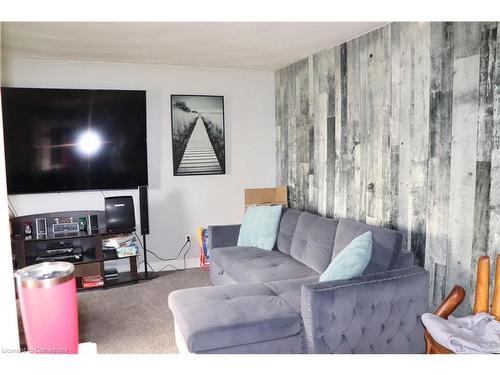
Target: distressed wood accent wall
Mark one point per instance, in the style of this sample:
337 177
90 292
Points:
401 128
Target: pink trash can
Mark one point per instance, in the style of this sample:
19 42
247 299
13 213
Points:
49 308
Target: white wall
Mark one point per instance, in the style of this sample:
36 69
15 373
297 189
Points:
9 336
178 205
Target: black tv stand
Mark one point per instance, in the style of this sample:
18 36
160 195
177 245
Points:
92 262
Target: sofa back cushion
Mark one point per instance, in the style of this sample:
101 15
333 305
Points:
352 261
288 224
386 247
312 242
260 227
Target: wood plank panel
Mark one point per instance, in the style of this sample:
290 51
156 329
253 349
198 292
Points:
322 72
318 166
292 138
339 208
330 169
322 121
330 134
285 85
376 125
438 193
467 39
312 192
386 200
345 156
279 106
419 128
302 97
487 53
404 133
391 218
462 172
494 223
494 207
281 127
401 128
363 127
353 165
439 285
299 138
481 214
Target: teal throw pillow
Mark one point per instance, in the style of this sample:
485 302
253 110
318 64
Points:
260 227
352 261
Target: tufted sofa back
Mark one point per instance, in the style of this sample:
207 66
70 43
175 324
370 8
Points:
287 227
312 242
386 248
315 240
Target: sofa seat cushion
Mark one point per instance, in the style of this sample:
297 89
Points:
226 316
218 277
254 265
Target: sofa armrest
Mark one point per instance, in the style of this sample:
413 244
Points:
223 235
377 313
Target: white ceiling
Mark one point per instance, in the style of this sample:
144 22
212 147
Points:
244 45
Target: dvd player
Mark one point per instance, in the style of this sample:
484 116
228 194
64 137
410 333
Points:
57 251
59 258
61 252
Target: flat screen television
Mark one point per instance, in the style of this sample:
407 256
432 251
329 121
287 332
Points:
63 139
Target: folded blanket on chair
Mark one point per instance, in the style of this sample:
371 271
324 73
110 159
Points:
478 333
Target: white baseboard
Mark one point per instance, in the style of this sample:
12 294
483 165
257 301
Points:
122 265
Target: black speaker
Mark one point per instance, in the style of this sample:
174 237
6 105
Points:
143 202
93 224
120 214
41 227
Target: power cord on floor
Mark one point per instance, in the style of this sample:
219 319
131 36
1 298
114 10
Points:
183 259
166 259
159 257
168 265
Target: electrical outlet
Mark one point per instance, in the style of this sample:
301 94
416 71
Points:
188 239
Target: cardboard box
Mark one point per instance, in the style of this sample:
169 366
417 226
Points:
266 196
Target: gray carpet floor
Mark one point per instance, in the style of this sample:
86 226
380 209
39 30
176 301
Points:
135 318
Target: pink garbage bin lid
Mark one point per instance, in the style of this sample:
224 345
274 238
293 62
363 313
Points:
45 275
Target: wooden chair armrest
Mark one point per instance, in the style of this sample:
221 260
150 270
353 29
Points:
451 302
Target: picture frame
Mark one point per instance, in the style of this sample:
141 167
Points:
198 135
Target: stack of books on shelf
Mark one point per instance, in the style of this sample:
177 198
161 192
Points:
124 245
92 281
111 274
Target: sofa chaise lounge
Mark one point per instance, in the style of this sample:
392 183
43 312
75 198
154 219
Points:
272 301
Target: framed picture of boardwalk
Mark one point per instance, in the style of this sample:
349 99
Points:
198 145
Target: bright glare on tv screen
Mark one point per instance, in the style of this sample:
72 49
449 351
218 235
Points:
63 140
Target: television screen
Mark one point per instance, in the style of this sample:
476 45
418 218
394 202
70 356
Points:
62 140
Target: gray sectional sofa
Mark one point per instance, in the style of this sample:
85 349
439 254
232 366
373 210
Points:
272 302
